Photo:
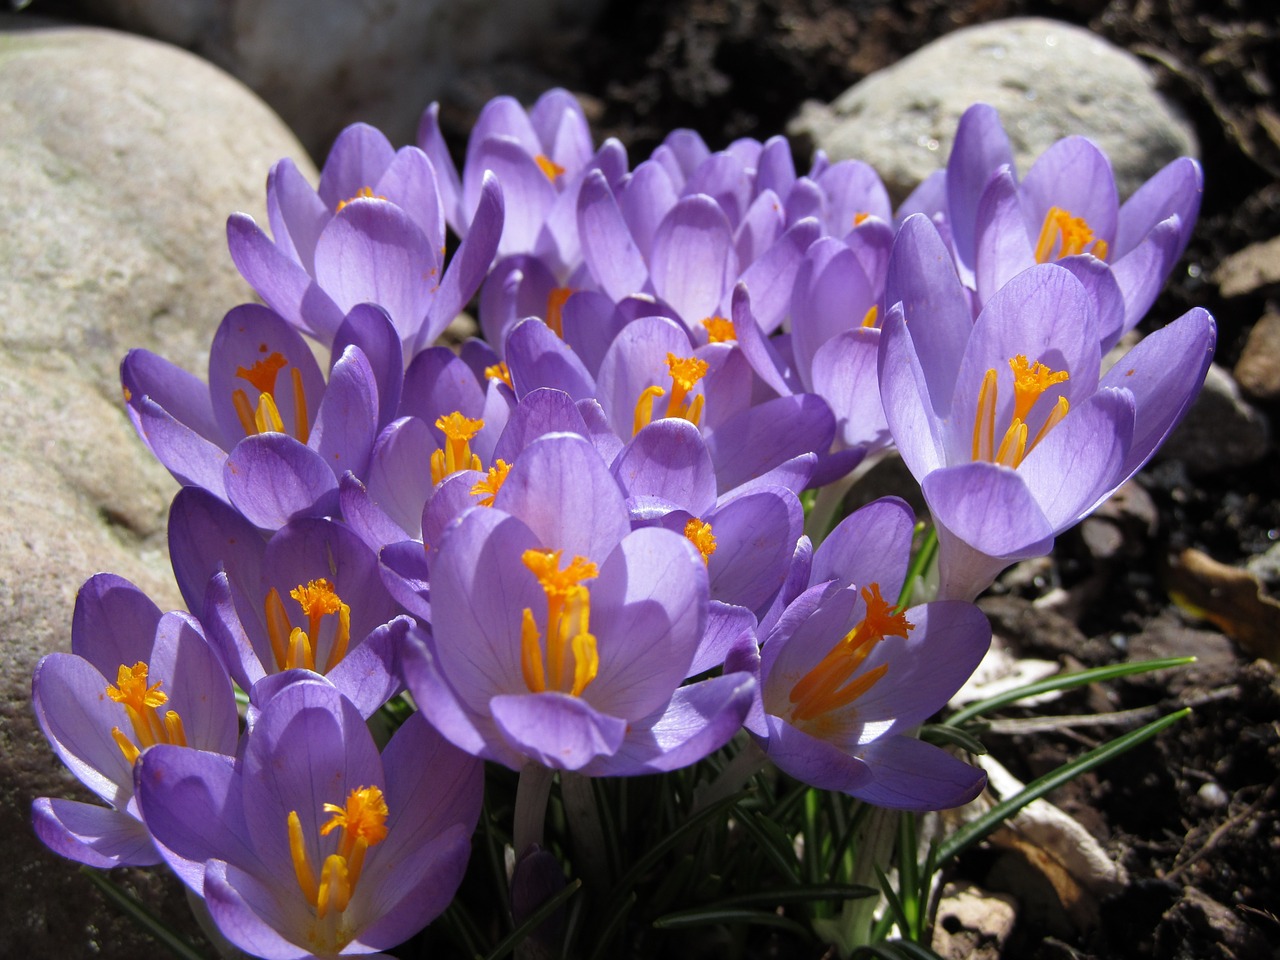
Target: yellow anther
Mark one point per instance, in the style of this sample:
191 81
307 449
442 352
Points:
363 821
831 685
456 453
720 330
295 648
549 167
872 316
364 193
556 300
571 661
301 865
1030 382
685 373
644 408
487 489
860 218
1063 235
700 535
499 371
140 701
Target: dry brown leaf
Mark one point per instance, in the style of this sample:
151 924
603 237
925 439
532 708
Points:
1230 598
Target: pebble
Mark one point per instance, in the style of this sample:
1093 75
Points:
1250 269
1221 431
1048 80
122 159
1258 369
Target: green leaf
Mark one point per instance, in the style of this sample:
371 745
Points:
1064 681
975 830
708 915
143 917
942 735
895 950
533 921
773 842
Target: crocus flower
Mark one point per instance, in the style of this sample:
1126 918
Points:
372 233
561 637
135 678
1066 206
313 844
268 434
846 677
1008 423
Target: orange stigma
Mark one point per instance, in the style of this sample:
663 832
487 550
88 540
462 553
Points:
1063 235
140 701
720 330
832 685
456 453
1030 381
571 660
685 373
487 489
550 169
265 417
700 535
556 300
295 648
364 193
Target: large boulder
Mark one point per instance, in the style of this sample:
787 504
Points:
122 158
1047 79
325 65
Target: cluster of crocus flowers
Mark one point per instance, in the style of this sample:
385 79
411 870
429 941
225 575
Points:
579 543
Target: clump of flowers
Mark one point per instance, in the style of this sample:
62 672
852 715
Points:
589 553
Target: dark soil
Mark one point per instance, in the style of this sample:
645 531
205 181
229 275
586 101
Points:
1194 817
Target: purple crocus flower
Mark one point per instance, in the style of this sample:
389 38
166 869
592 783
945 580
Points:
846 677
561 636
1008 422
135 678
269 434
311 597
313 844
372 233
1066 206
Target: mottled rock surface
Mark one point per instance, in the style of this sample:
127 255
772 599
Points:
122 158
1047 79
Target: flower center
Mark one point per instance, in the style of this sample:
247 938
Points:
685 372
499 371
364 193
363 820
832 684
265 417
295 648
456 453
556 300
1063 235
140 701
700 535
487 489
1030 381
720 330
571 661
549 167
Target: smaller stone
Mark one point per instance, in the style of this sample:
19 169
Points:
1212 795
1048 80
1258 370
1221 431
1250 269
972 923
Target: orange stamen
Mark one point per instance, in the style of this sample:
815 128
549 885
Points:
456 453
700 535
571 661
1063 235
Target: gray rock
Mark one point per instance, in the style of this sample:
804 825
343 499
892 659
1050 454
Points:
122 158
1047 79
1249 270
1258 369
325 65
1221 431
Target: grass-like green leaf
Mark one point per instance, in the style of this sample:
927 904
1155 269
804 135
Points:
532 922
704 916
1063 681
975 830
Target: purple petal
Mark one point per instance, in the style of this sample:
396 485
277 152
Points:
410 182
646 199
431 142
406 576
296 213
761 226
272 478
538 358
557 730
908 774
1142 271
612 255
760 351
1075 175
561 489
915 423
669 460
1002 247
980 148
192 459
399 483
87 833
177 392
348 416
541 412
228 892
369 328
845 374
438 383
358 158
285 286
813 761
871 545
113 623
196 682
1175 190
692 263
700 719
370 674
728 626
245 657
853 188
527 193
771 277
769 434
206 534
755 535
